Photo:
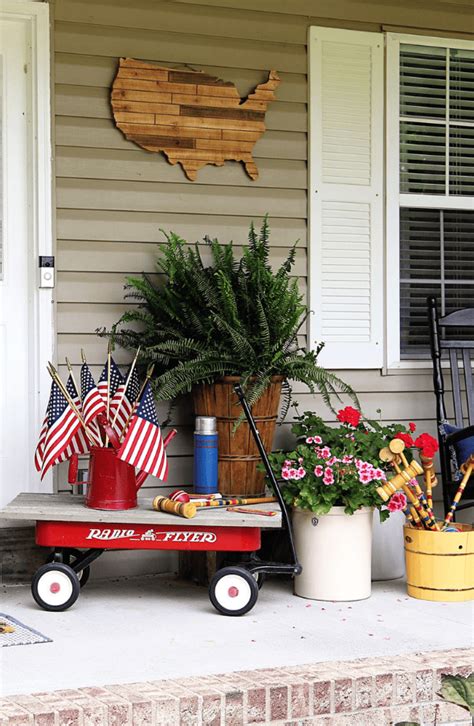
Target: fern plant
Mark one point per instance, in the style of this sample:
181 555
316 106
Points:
234 316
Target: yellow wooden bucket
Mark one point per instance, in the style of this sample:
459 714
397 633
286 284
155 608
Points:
440 565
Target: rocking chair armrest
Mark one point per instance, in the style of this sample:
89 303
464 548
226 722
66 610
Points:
457 436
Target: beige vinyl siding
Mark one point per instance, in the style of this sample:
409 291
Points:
112 197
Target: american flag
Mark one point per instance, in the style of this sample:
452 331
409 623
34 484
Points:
116 379
39 452
64 435
143 444
92 401
122 407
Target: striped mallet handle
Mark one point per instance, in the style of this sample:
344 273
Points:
467 469
430 477
235 501
414 518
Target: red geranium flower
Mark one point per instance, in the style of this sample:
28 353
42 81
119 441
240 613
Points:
349 416
406 438
412 427
427 444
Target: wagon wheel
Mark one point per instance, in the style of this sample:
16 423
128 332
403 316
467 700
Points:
259 578
55 586
69 557
233 591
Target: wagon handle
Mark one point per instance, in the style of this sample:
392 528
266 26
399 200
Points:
269 470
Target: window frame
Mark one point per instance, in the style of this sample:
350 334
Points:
394 199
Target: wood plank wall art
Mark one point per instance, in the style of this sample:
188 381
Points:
193 118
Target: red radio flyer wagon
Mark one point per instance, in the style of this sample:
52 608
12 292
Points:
79 535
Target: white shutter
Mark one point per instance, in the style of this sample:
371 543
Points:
346 196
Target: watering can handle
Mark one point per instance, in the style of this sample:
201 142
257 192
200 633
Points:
114 439
142 475
73 469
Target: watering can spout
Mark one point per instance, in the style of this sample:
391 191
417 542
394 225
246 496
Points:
143 474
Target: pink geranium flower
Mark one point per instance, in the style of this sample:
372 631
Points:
309 439
317 440
364 478
301 472
397 502
318 470
285 474
325 452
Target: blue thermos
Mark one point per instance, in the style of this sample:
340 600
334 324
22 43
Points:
205 455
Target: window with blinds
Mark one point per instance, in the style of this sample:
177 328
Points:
436 258
436 168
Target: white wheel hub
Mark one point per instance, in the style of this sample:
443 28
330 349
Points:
232 592
54 587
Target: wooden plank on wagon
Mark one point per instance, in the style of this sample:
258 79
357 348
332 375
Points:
71 508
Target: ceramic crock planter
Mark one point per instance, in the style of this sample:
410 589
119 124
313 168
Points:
335 552
388 561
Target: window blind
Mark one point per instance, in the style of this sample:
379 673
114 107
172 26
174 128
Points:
436 258
436 120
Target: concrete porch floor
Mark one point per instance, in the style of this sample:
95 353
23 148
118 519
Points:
158 627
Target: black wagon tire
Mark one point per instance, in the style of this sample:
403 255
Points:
82 575
55 586
233 591
259 578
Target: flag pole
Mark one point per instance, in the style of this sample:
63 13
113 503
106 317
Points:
132 367
95 435
71 373
149 373
54 375
109 355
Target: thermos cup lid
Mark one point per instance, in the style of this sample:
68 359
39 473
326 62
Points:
206 425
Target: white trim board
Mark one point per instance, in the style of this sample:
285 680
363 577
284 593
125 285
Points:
35 16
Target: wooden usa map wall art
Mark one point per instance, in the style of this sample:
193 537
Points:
193 118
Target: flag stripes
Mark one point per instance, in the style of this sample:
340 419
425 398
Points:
143 443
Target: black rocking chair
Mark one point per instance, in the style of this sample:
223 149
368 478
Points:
453 436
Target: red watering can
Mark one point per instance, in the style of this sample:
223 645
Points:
112 483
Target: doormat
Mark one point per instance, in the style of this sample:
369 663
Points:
12 632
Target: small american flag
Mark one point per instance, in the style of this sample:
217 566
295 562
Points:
122 407
92 401
116 379
39 452
64 436
143 444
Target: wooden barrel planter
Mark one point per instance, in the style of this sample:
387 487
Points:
238 454
440 565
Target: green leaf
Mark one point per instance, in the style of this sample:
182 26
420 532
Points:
458 690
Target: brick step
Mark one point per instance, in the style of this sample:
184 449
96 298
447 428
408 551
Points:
363 692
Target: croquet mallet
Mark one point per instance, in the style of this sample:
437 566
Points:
400 481
467 469
397 446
